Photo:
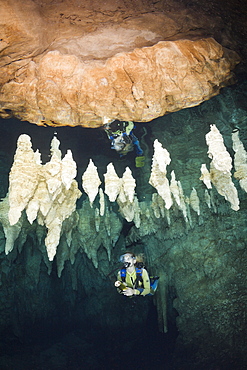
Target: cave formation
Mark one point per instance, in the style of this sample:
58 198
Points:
71 206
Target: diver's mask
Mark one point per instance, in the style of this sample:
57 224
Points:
122 260
122 144
127 148
118 144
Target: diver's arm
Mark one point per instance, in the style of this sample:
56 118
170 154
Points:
146 283
118 283
135 141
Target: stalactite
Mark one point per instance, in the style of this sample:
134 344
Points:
11 232
23 178
93 232
158 179
175 188
155 205
182 205
205 176
69 170
137 215
128 203
162 299
101 202
207 198
220 167
91 181
240 161
194 201
112 183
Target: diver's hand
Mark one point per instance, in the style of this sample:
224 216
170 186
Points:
129 292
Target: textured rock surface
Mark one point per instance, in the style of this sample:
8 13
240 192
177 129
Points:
70 64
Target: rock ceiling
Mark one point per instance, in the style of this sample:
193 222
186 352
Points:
74 62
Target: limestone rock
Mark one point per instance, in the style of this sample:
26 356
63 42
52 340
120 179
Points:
240 161
127 201
127 192
194 201
23 178
220 167
101 202
221 159
11 232
73 64
182 206
158 179
205 177
48 193
112 183
175 188
91 181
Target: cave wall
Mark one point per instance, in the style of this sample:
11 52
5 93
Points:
204 265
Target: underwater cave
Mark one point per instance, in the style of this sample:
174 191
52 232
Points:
71 205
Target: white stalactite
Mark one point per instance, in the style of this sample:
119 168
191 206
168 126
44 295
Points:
240 161
112 183
221 159
23 178
182 201
158 179
128 185
101 202
205 177
91 181
194 201
175 188
207 198
41 190
128 203
69 170
220 167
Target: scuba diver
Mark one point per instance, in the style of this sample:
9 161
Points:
133 278
123 140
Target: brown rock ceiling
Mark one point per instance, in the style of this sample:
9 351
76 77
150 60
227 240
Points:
74 62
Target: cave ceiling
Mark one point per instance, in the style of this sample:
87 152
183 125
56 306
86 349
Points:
86 63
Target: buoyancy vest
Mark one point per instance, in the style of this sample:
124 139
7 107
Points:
138 277
153 280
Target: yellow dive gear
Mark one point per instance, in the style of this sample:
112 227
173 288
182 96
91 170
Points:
140 161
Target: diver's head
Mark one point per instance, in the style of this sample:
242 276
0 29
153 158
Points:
122 145
119 147
128 259
116 125
128 147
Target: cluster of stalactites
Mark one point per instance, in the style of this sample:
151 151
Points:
221 166
47 192
170 193
122 190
